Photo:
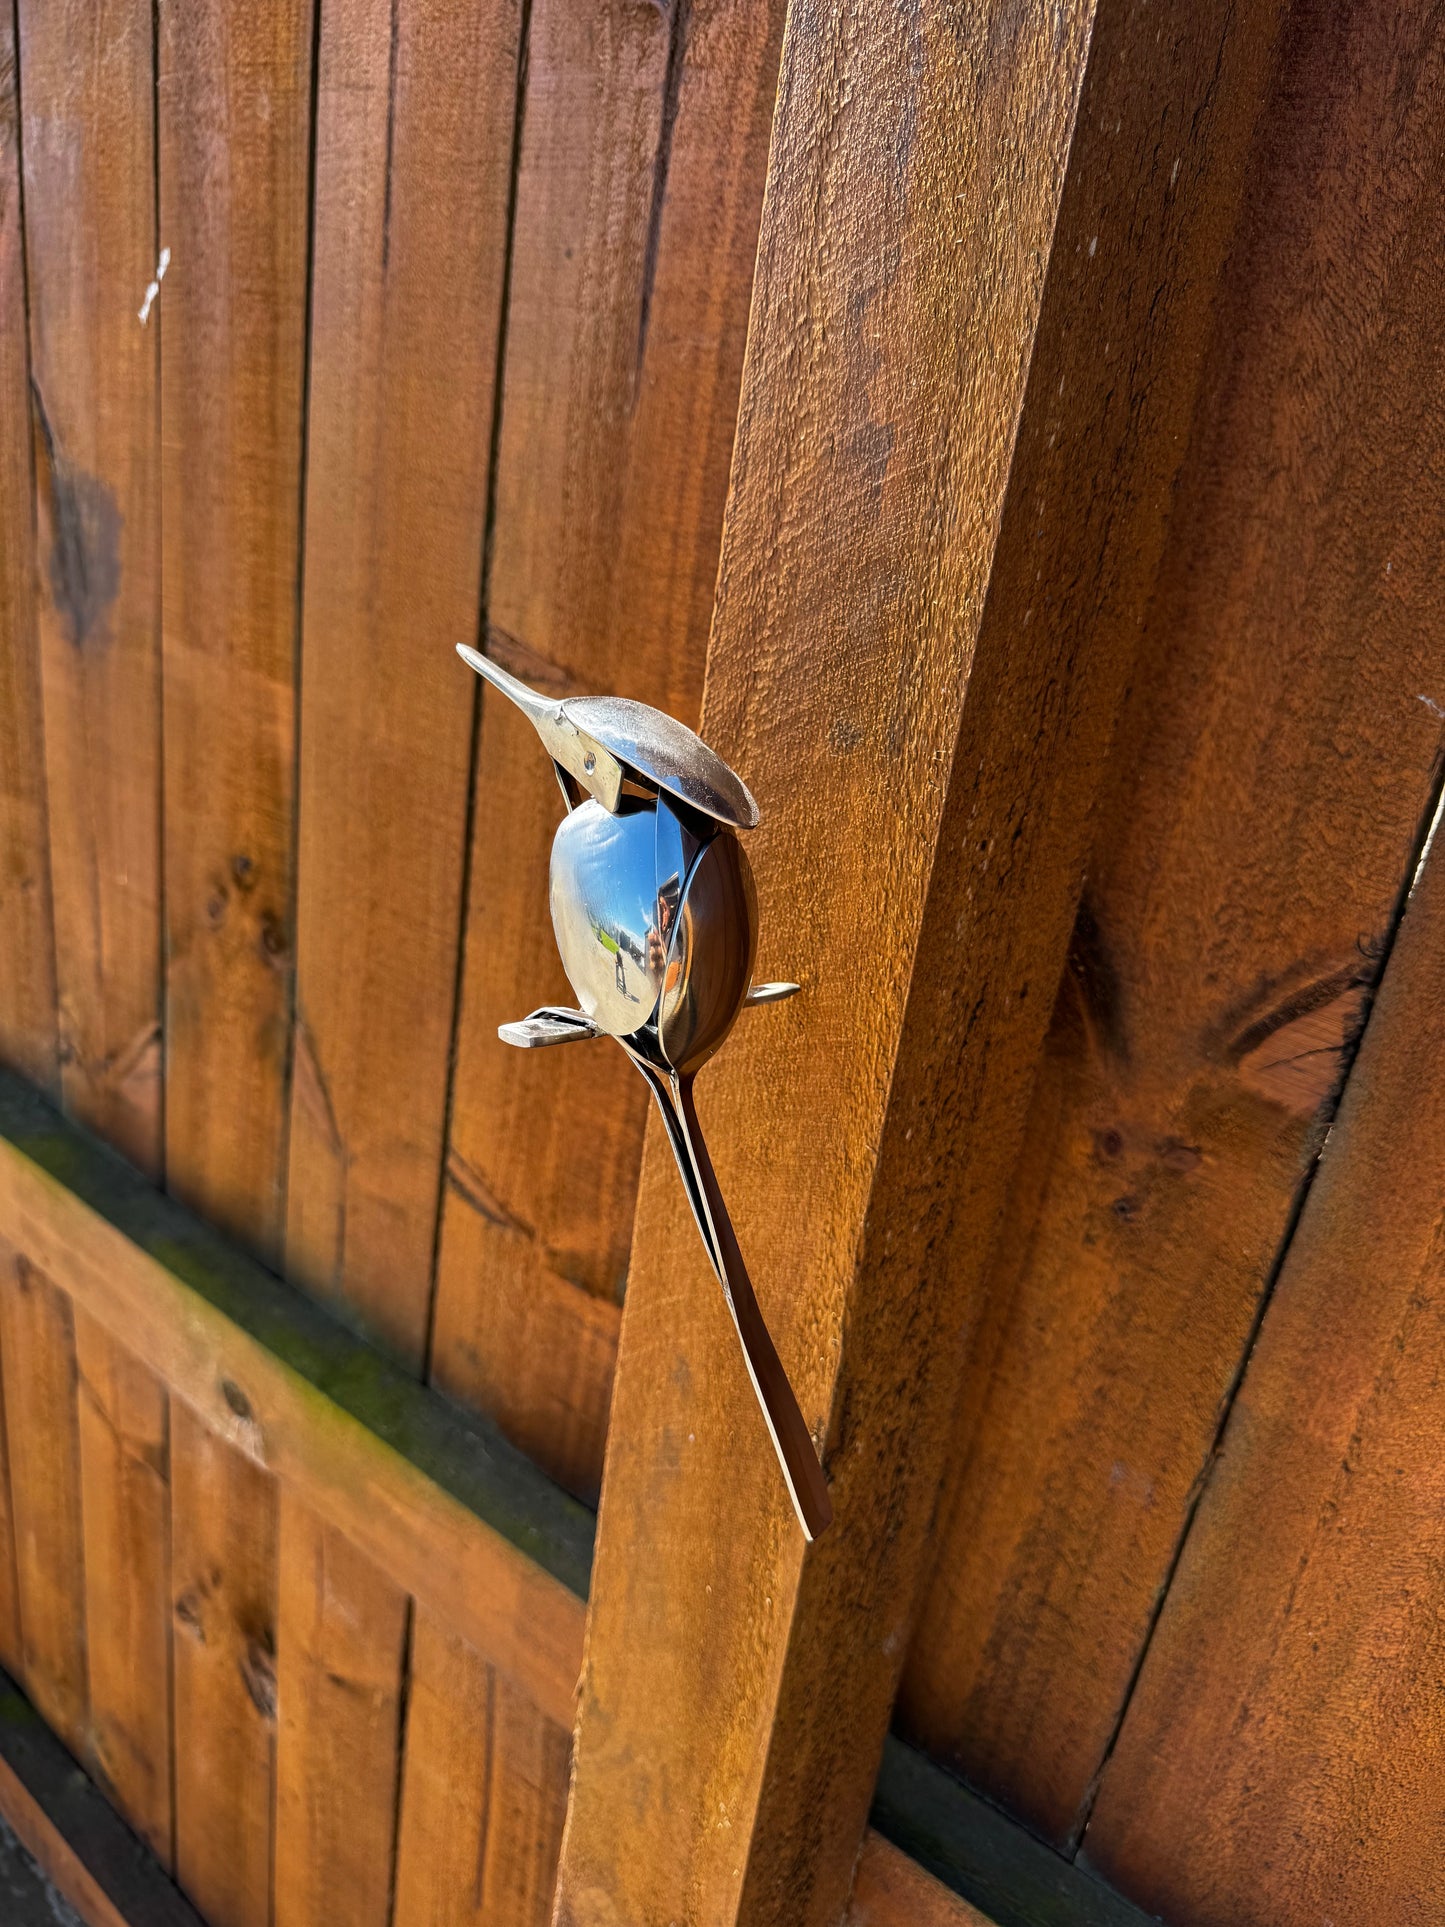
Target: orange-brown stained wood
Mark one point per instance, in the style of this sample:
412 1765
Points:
27 957
415 115
526 1808
233 96
54 1854
415 1524
1270 778
890 1890
223 1578
483 1795
37 1351
88 82
341 1633
904 396
1280 1760
644 144
125 1505
12 1650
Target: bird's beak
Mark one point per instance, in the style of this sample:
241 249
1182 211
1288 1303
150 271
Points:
579 755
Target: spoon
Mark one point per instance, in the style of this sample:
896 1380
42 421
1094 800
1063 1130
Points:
655 916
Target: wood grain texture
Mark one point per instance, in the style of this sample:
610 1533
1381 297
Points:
416 107
125 1500
37 1349
894 462
644 144
890 1890
451 1512
484 1793
53 1855
12 1646
72 1830
1280 1761
223 1574
88 91
834 437
977 1852
27 950
341 1632
234 90
1270 778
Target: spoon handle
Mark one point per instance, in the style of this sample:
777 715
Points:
672 1124
792 1441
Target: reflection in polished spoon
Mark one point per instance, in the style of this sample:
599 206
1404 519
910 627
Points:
656 920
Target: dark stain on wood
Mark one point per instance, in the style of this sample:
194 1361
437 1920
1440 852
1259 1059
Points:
258 1673
84 562
1095 979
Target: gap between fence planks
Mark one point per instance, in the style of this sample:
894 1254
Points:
136 1264
1272 774
341 1648
643 145
87 79
232 97
69 1828
415 111
890 602
27 951
223 1571
88 136
125 1504
410 1480
37 1351
1279 1763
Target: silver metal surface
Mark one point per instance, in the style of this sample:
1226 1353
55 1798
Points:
666 755
549 1026
569 746
772 993
710 958
606 912
656 920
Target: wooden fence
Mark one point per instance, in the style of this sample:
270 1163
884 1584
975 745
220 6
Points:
1014 433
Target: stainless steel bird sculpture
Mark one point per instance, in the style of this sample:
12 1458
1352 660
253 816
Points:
657 922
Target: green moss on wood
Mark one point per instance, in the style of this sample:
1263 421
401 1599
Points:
348 1381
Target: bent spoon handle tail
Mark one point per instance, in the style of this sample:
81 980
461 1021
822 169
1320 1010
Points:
792 1440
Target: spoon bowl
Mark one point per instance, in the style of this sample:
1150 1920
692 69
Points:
710 958
607 912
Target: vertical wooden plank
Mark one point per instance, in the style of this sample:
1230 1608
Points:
233 141
91 248
640 180
1007 298
233 137
37 1350
88 92
124 1451
890 1890
416 108
223 1575
1280 1760
27 957
483 1796
526 1808
340 1636
12 1648
1272 774
125 1485
441 1845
